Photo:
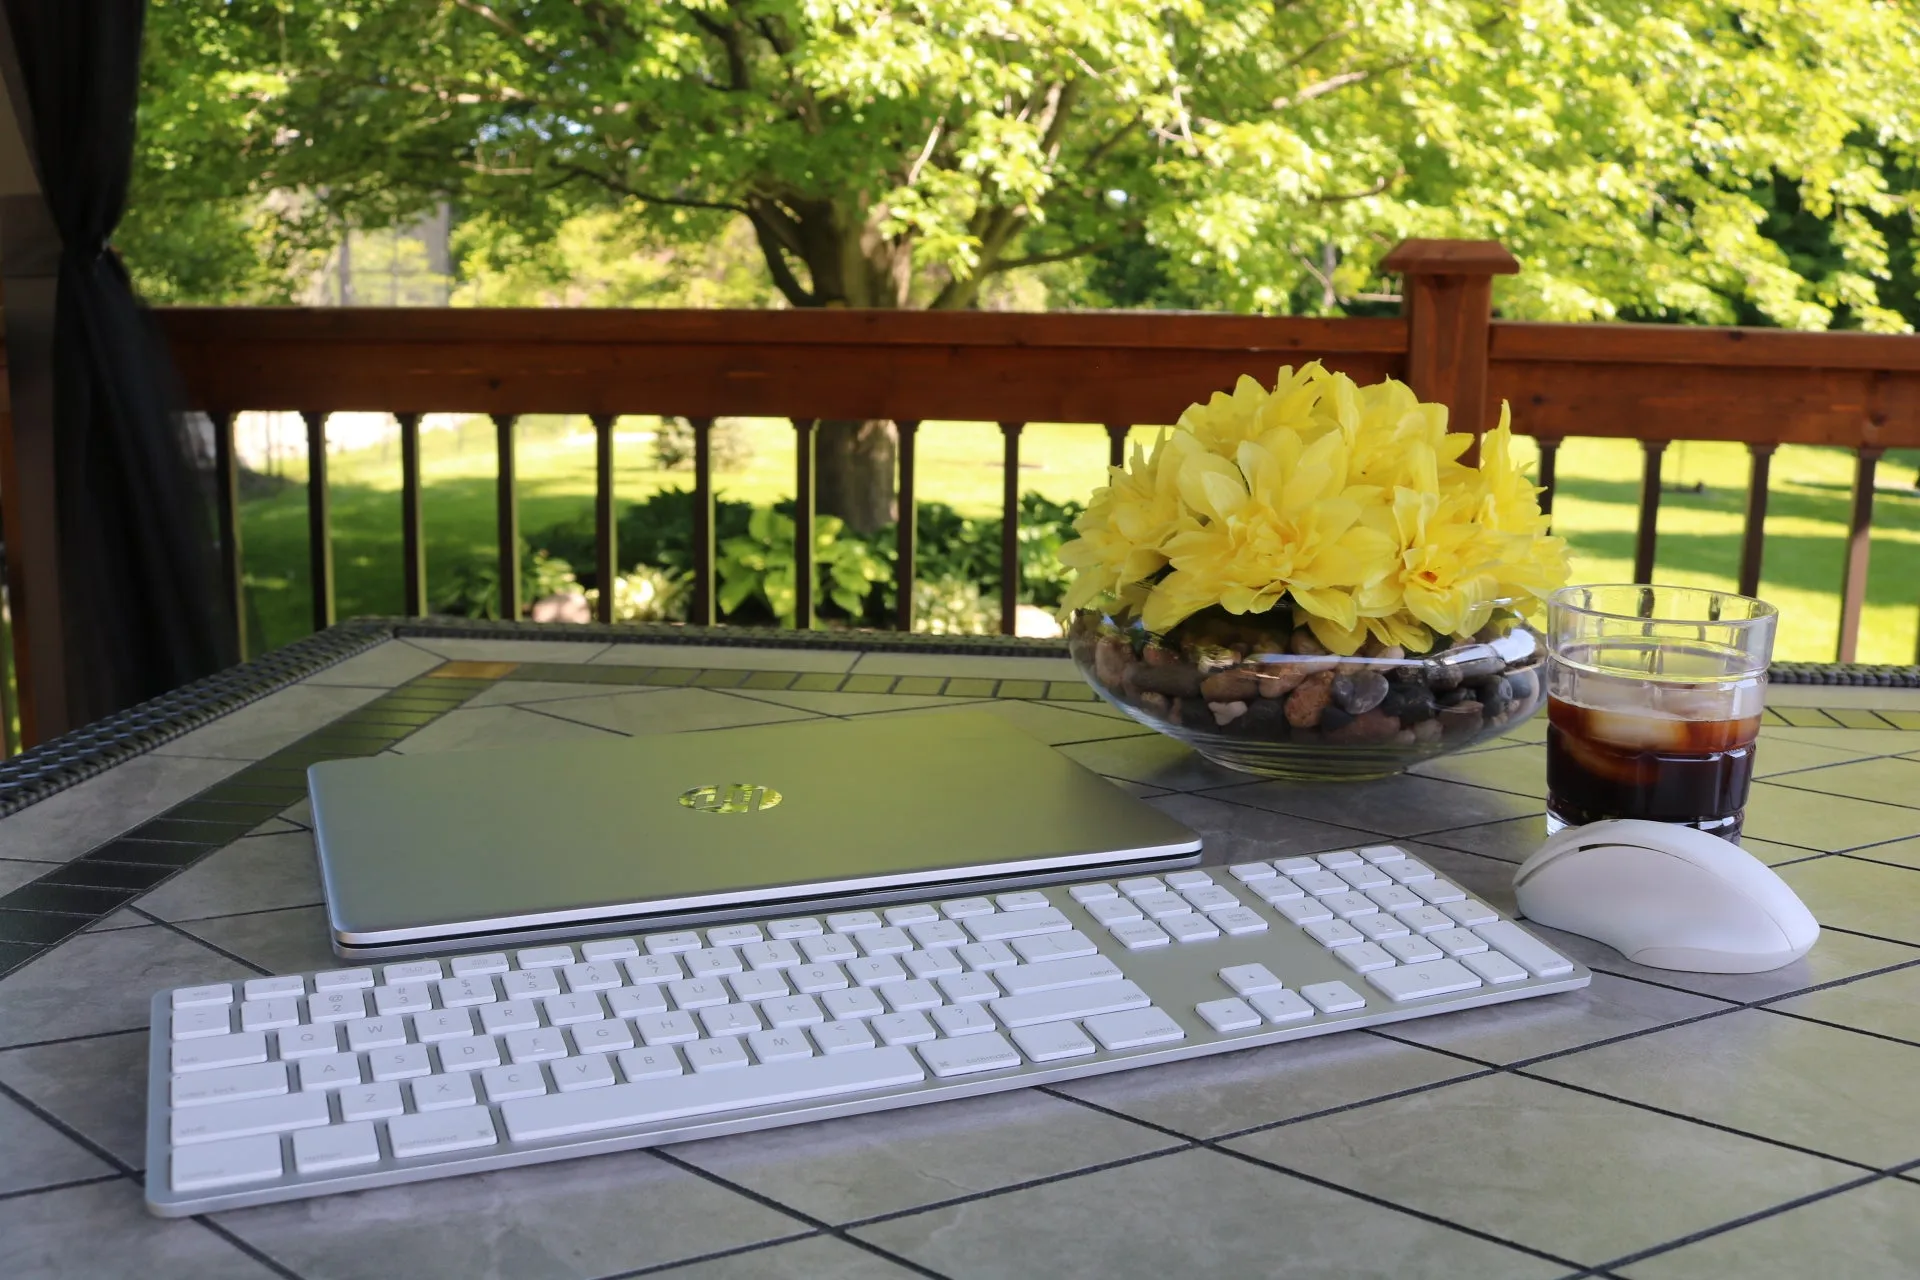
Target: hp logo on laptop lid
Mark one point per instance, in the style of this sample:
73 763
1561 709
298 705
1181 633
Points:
735 797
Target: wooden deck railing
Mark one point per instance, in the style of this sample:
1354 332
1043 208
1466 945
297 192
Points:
1655 384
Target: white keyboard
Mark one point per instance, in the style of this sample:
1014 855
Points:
281 1088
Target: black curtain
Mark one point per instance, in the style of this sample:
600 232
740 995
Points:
142 607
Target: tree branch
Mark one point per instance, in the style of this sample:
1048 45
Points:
775 255
1041 259
485 11
618 187
729 38
1378 187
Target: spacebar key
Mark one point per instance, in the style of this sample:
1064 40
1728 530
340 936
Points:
560 1114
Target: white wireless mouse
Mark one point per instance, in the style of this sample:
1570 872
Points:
1666 896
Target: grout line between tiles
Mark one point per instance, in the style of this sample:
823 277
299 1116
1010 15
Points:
718 1255
171 927
60 1040
247 1247
22 1192
78 1138
1746 1220
818 1224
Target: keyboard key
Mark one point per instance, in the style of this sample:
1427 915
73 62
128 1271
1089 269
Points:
903 1028
1379 853
472 1053
270 1015
1338 858
219 1051
927 965
1112 911
631 1002
856 1002
1365 957
408 997
591 976
529 1081
962 908
1434 978
729 1020
383 1033
443 1024
1098 892
1364 877
1320 883
1210 897
1280 1006
1239 921
872 971
1439 891
564 1011
403 1062
1295 866
544 957
563 1115
906 997
270 988
667 944
1142 884
1470 912
643 969
1412 949
969 1055
757 986
849 1036
530 982
698 993
374 1101
347 979
1457 942
394 975
1333 997
226 1164
1396 898
962 1020
1051 1041
1304 911
1190 927
511 1015
778 954
1134 1029
853 921
305 1042
229 1084
1051 975
1158 906
779 1046
884 942
733 935
963 988
330 1071
1334 933
711 962
245 1119
1246 979
1533 955
340 1146
592 1072
1407 870
650 1064
436 1132
792 1011
1249 872
443 1093
198 1022
1378 926
938 934
666 1028
1054 946
1491 966
1279 889
1350 904
1139 935
916 913
828 948
610 1035
1424 919
800 927
1227 1015
814 978
609 949
1004 925
337 1006
985 957
1069 1002
1185 880
474 966
1021 900
542 1045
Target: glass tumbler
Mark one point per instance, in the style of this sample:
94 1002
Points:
1654 697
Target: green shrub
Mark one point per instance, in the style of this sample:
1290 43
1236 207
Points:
475 590
759 566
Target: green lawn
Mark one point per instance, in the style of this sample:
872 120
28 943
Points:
960 464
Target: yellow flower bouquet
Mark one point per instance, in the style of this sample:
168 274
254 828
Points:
1315 565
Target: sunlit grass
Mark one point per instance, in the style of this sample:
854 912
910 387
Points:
1596 509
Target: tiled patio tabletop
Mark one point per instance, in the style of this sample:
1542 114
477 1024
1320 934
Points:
1654 1125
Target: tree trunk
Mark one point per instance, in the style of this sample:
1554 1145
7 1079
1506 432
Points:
855 463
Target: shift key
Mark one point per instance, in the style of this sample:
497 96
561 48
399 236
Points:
246 1119
1069 1002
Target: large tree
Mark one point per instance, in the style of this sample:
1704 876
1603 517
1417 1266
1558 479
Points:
1265 153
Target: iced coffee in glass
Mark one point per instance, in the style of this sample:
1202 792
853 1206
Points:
1654 702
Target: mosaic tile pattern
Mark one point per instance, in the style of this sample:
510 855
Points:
1655 1125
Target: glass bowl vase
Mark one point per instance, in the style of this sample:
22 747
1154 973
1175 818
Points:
1258 694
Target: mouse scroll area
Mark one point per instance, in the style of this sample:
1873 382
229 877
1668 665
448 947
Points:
1658 910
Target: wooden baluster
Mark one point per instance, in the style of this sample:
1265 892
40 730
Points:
1648 531
606 533
319 520
1753 535
1549 469
1853 583
803 494
413 535
1117 444
507 518
905 530
1010 528
1448 302
702 612
226 479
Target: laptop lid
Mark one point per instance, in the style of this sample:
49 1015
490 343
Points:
416 849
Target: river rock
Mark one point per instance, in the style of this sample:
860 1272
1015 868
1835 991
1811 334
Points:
1359 692
1156 704
1177 680
1525 683
1370 726
1332 717
1235 685
1309 701
1225 713
1265 718
1307 645
1494 694
1412 703
1461 717
1427 731
1111 658
1280 678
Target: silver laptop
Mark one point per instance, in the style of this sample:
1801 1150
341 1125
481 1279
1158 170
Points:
467 849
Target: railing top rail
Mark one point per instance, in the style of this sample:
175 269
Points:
1516 341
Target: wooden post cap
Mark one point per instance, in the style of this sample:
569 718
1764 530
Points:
1451 258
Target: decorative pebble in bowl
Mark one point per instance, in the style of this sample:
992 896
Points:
1258 694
